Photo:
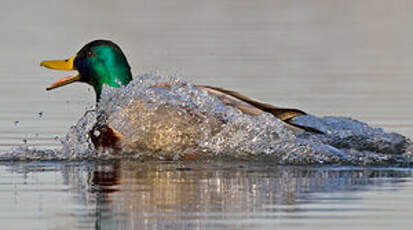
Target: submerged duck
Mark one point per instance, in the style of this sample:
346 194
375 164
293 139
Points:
102 62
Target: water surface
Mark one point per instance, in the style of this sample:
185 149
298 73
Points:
350 58
236 195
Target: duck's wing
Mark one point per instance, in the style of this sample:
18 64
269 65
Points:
249 105
254 107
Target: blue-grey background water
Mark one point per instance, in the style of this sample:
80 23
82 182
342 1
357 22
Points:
349 58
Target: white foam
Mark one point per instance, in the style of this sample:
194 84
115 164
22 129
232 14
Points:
220 131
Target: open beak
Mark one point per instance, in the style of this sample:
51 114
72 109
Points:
66 64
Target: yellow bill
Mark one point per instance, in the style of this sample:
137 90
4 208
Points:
66 64
63 81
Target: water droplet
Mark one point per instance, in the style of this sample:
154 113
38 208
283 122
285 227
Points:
40 114
118 82
16 123
96 133
25 141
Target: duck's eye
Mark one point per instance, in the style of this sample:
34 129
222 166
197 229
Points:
90 54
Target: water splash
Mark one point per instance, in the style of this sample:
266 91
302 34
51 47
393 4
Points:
163 117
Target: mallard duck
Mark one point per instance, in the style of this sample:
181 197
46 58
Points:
102 62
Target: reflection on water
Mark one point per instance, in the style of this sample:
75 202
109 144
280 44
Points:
154 195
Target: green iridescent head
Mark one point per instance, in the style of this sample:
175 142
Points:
98 62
